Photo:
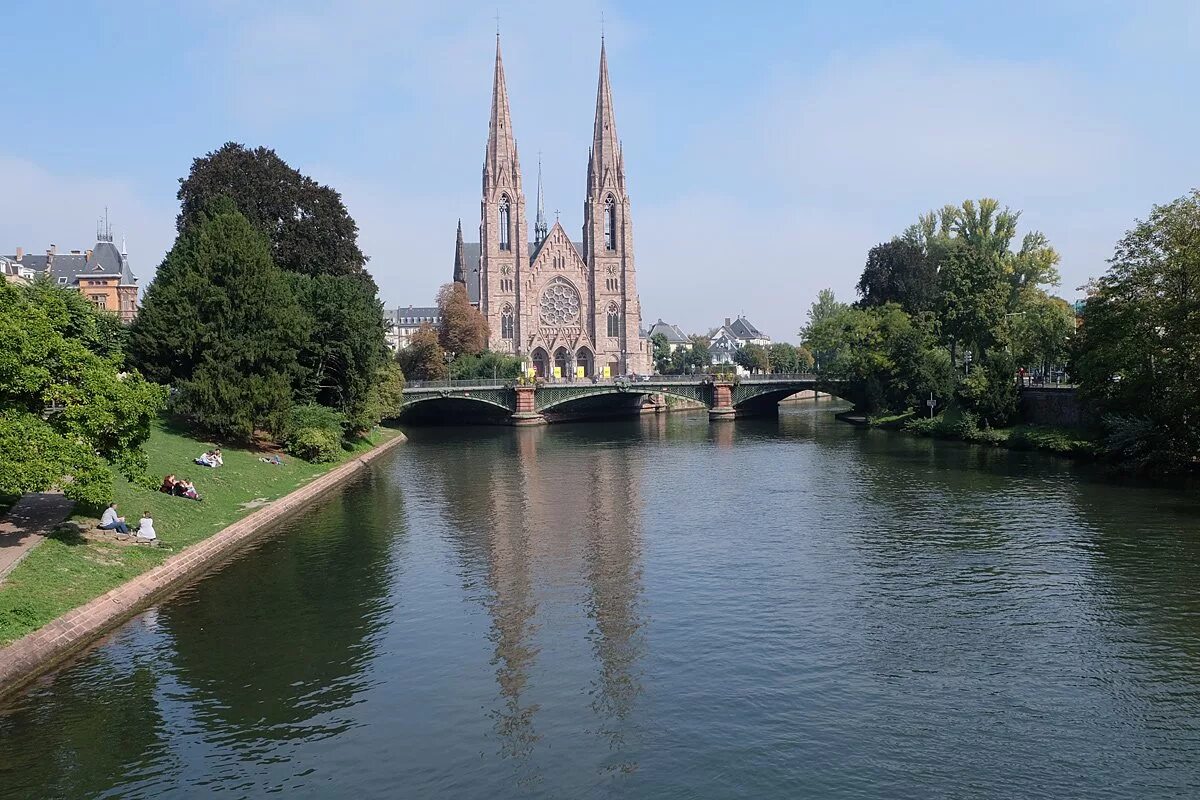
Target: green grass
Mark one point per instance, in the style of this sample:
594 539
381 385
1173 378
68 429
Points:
891 421
66 571
1047 438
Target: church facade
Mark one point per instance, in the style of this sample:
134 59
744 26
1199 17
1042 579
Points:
569 309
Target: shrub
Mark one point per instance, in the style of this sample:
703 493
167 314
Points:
314 432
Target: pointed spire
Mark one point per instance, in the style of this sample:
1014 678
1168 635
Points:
501 147
460 262
606 148
540 231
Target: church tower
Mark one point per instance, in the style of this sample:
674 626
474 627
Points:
608 241
503 235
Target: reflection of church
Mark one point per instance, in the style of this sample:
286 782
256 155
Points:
569 308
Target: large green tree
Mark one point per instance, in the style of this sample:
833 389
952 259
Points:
753 357
662 352
221 324
67 412
423 359
306 223
899 272
345 350
1138 345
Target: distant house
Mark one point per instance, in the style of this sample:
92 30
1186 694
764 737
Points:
402 323
675 337
732 336
101 274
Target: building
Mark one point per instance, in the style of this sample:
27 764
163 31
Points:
15 271
568 307
402 323
101 274
675 337
732 336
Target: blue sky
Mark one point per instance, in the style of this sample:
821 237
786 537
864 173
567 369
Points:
768 145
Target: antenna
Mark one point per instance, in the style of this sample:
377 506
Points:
497 23
601 25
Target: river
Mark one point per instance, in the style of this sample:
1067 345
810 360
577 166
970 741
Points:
661 608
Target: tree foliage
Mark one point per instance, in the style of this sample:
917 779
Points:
423 359
307 225
68 411
221 324
661 352
787 358
899 272
463 330
487 364
1137 351
753 357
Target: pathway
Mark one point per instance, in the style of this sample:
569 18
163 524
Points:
27 523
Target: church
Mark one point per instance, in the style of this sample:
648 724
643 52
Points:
569 309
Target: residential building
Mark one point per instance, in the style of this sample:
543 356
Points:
732 336
675 337
101 274
402 323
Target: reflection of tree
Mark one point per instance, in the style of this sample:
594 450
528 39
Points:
276 640
98 725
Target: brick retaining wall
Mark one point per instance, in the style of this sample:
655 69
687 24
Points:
33 654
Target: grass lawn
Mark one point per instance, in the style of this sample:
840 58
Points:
66 570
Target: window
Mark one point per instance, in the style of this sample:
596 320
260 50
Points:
506 284
62 281
612 284
100 300
610 227
614 320
506 322
505 243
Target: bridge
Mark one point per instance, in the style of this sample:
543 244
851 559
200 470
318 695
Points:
538 402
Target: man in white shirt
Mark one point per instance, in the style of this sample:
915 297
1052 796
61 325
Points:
111 522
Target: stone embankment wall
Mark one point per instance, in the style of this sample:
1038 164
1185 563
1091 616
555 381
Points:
31 655
1049 406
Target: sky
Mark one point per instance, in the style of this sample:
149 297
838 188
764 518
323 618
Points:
767 145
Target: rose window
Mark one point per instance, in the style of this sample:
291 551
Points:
560 303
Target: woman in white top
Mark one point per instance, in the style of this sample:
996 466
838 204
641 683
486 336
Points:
146 527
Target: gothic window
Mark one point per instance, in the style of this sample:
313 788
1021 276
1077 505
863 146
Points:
559 304
506 322
506 284
610 224
614 320
612 284
504 223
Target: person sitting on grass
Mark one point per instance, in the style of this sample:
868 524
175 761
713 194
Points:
211 459
111 522
145 529
189 489
168 485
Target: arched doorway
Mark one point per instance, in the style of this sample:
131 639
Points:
584 359
541 363
562 362
614 367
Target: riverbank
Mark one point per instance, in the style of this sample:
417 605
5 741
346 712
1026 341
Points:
1059 440
75 585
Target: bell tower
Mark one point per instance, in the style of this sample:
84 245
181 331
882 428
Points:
503 237
608 240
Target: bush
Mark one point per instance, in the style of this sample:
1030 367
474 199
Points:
314 432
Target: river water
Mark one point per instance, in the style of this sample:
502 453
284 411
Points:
661 608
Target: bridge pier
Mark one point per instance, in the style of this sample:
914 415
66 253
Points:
526 413
722 407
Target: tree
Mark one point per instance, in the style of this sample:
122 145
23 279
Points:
487 364
662 352
814 334
220 323
464 330
307 224
753 357
341 358
1041 330
68 412
423 359
698 355
1136 357
786 358
899 272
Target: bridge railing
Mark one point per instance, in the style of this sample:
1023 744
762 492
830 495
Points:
469 383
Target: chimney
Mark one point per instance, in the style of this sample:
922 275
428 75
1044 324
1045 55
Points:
89 255
727 322
53 249
20 253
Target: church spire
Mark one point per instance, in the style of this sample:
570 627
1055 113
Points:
540 231
501 161
605 166
460 261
